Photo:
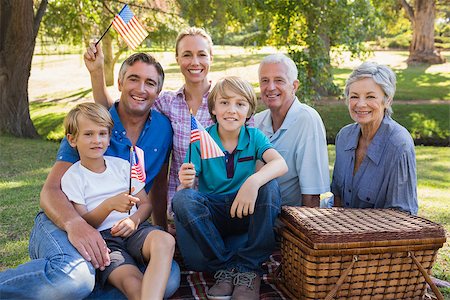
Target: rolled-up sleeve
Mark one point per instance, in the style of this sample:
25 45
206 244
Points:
402 188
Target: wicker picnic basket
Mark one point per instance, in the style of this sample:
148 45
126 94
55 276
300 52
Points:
357 253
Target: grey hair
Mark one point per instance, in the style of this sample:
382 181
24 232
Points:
279 58
382 75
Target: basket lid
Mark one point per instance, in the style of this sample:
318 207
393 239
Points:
347 225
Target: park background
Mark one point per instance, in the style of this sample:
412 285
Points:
243 33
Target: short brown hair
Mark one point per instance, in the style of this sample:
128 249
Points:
145 58
93 111
193 31
236 85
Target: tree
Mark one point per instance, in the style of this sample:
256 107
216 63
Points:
18 30
422 14
309 29
78 22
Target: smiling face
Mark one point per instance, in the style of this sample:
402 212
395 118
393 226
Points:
366 102
139 89
194 58
91 140
231 112
277 92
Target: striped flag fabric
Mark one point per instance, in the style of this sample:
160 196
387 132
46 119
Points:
129 27
208 147
137 164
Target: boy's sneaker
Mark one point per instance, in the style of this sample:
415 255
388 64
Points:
223 288
246 286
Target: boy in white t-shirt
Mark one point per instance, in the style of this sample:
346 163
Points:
98 186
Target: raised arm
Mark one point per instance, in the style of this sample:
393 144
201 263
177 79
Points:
244 203
86 239
94 61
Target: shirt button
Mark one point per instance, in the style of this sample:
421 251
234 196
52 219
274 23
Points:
349 190
368 199
347 203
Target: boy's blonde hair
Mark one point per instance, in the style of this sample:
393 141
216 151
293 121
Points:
193 31
92 111
236 85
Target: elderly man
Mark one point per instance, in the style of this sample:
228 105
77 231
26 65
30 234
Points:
296 130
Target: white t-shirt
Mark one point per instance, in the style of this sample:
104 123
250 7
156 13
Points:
83 186
302 142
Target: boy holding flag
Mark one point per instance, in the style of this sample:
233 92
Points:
232 198
97 185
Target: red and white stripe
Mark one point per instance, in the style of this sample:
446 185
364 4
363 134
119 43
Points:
133 33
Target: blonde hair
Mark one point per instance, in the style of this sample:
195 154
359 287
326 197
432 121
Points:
194 31
236 85
92 111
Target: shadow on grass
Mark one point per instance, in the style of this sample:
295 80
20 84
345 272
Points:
77 95
412 83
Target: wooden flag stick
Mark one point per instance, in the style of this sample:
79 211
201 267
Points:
131 167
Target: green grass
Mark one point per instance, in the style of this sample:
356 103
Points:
412 83
23 175
426 122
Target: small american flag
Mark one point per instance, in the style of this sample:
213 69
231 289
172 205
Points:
208 147
129 27
137 163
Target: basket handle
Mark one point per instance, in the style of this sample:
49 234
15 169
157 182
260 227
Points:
427 277
341 279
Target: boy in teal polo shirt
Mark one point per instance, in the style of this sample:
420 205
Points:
232 198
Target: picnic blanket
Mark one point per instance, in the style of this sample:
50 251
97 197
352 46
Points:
194 284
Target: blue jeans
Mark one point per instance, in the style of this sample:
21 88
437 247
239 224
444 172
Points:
222 242
57 270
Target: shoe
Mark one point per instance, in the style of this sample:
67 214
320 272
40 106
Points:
246 286
223 288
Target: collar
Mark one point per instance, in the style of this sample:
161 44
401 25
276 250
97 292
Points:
118 126
291 117
180 91
244 137
378 143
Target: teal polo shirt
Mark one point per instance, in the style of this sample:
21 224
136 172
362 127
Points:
225 175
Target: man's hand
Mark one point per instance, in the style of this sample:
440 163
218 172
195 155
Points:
124 228
89 243
94 58
244 203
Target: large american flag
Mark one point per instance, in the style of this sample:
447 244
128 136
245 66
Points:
129 27
137 164
208 147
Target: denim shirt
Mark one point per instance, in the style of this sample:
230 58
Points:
386 177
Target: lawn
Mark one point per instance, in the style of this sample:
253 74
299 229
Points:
25 163
23 175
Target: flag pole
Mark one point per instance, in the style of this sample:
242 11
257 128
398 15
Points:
190 142
109 26
131 166
96 43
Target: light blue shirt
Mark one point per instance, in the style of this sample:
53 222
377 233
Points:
225 175
155 139
302 142
386 177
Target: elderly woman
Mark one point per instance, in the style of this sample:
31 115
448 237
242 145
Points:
375 163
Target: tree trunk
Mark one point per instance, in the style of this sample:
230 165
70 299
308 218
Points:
422 49
109 63
18 31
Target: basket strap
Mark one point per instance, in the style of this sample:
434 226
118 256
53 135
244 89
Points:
341 279
427 277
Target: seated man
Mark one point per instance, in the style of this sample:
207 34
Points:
64 248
